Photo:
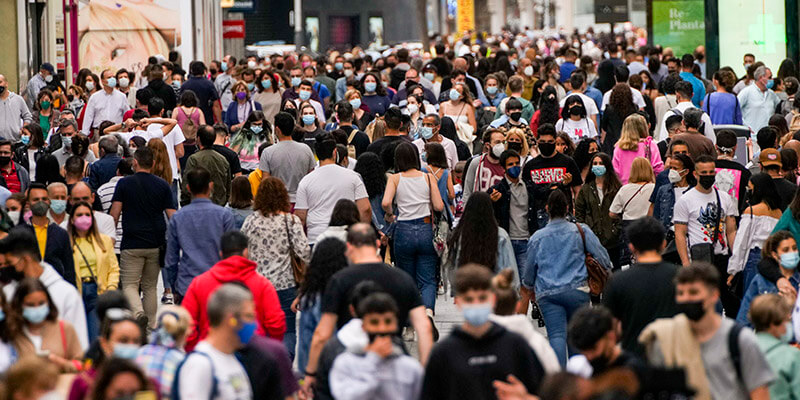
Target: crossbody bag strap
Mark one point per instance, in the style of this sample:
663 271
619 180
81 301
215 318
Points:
88 266
288 233
717 219
63 336
583 236
631 199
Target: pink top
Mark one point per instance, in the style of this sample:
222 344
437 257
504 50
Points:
623 159
181 116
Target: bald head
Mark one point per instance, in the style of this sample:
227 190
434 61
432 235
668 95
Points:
81 192
460 63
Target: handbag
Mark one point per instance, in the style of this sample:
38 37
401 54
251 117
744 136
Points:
705 251
298 265
440 224
598 276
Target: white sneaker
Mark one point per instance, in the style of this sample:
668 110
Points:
408 334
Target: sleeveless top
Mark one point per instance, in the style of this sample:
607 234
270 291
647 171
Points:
413 198
181 116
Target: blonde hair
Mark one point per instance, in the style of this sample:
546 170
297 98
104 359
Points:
161 166
348 95
175 321
641 171
767 310
243 85
633 129
520 134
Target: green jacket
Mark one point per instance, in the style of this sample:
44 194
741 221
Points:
590 211
784 360
220 170
788 223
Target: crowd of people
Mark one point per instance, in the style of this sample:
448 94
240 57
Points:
304 214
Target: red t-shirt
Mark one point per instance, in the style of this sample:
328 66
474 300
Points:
12 180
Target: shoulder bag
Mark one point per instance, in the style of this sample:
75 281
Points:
298 265
440 224
705 251
622 213
598 276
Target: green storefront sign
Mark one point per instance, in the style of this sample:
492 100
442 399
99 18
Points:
679 24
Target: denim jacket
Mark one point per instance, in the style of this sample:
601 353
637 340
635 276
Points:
556 260
664 204
758 286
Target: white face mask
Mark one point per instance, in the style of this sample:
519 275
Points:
674 176
528 70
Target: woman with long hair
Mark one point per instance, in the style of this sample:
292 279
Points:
574 120
269 95
552 74
345 213
549 110
48 171
635 142
459 108
328 258
189 116
161 165
723 106
593 203
436 159
241 201
37 330
564 144
633 200
620 106
584 151
374 95
272 232
758 221
415 196
159 359
30 148
43 112
516 140
96 265
246 142
309 123
448 130
119 379
361 115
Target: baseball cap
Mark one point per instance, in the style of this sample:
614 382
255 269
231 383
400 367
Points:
49 68
770 157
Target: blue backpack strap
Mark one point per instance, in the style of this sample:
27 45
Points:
174 395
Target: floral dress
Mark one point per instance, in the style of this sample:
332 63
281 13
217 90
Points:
269 246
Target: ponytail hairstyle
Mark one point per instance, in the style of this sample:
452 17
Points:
173 327
505 295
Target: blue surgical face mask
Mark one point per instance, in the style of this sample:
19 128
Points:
309 119
770 83
125 351
514 171
477 314
491 89
250 86
789 260
339 66
424 156
454 95
111 82
356 103
67 141
58 206
599 170
266 84
296 81
789 334
246 331
305 95
224 66
425 132
429 76
25 139
256 129
36 315
370 86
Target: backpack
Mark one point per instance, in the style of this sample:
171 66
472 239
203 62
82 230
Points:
351 149
175 395
189 128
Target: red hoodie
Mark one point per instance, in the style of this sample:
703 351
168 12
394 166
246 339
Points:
269 315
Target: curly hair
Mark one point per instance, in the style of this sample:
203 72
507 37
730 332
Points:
475 236
161 165
370 167
272 197
379 89
548 106
327 259
622 100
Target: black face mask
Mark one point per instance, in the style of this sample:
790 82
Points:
706 181
10 274
547 149
4 160
516 115
577 110
279 65
70 97
599 364
692 309
2 89
516 146
374 335
212 71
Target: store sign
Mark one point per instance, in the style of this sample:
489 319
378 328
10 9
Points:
610 11
239 5
465 16
679 24
233 29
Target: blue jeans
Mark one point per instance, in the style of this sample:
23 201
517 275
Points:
557 309
89 294
751 266
414 253
521 254
286 297
309 318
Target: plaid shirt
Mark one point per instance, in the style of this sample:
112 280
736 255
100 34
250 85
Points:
160 363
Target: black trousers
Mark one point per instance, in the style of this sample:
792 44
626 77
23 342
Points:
730 302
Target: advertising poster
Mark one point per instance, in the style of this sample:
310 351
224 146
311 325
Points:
679 24
752 26
465 19
312 33
124 33
376 31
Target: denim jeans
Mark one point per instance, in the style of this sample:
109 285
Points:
751 266
286 297
414 254
309 318
520 254
557 309
89 294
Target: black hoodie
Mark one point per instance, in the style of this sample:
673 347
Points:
464 367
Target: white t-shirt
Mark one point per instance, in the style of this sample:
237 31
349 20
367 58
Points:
698 211
588 103
319 191
196 382
577 130
174 138
638 205
637 99
449 151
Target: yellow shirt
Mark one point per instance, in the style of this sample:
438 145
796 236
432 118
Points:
83 245
41 237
